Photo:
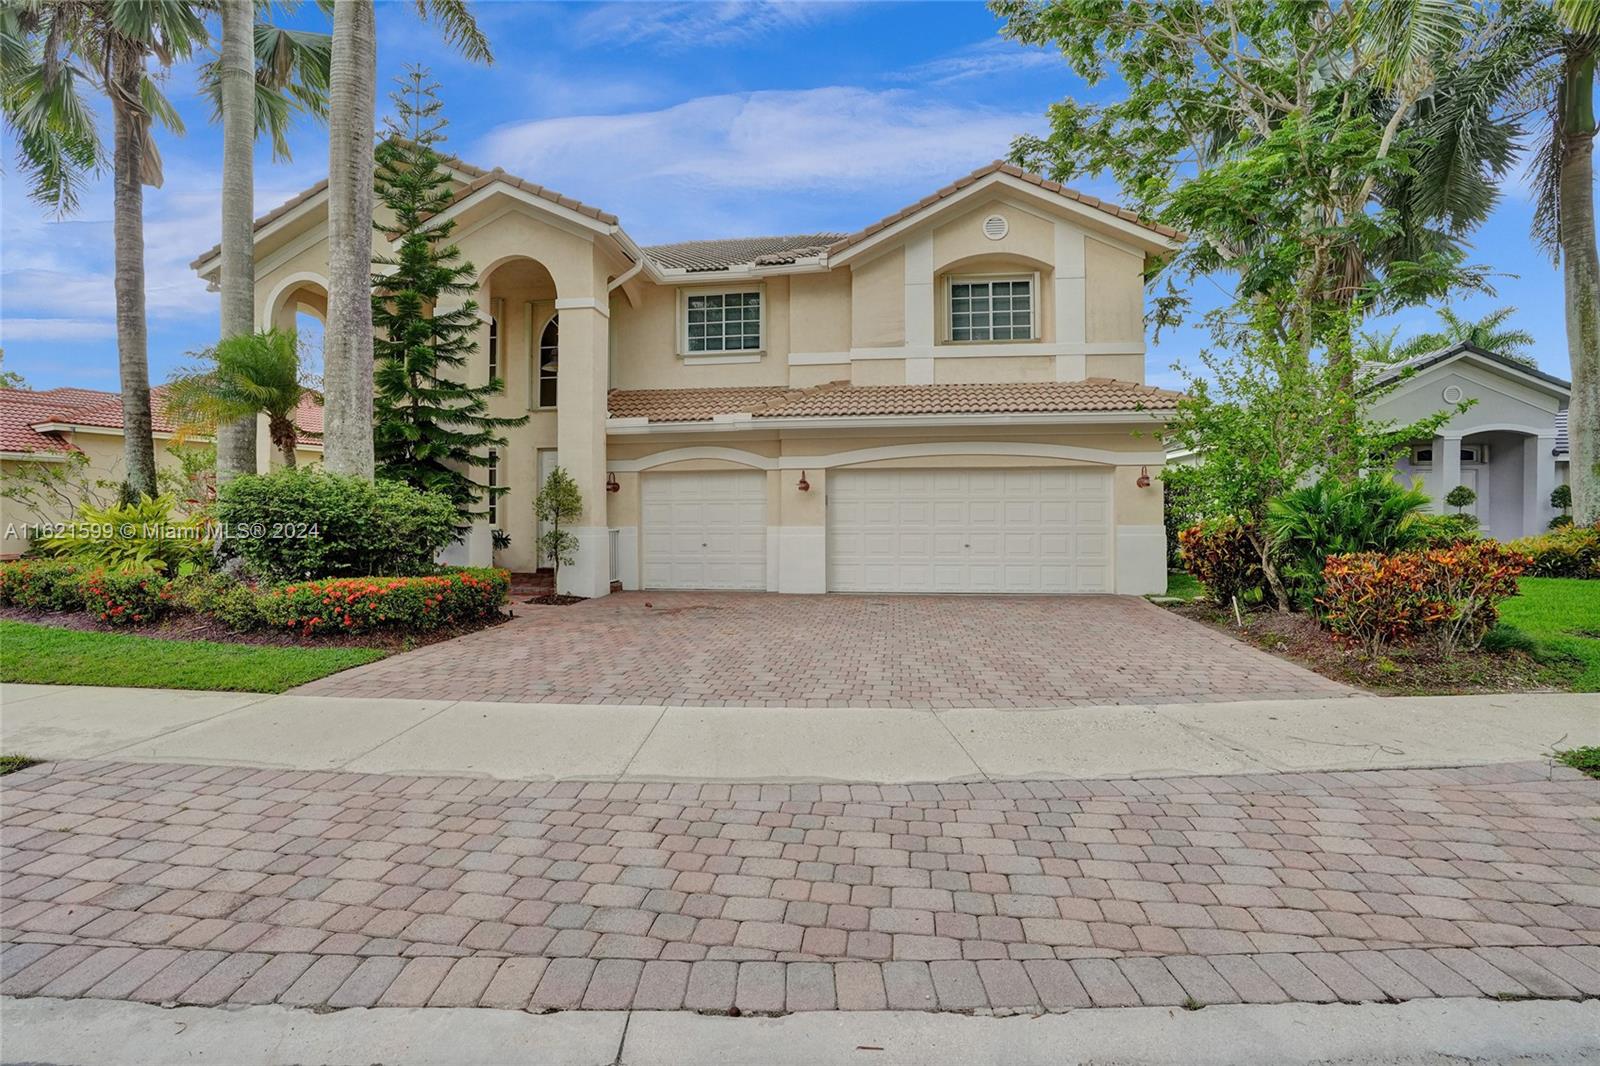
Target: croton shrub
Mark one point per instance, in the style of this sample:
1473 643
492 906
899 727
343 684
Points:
362 604
1571 551
1221 557
1449 596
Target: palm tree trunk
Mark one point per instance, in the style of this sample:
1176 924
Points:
236 441
139 453
347 341
1581 275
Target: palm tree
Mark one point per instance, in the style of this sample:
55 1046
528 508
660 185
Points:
1489 333
244 375
1536 63
51 51
263 74
347 341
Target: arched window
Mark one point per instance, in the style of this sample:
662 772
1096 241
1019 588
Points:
549 352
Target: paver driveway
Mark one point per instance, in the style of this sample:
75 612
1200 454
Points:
756 649
209 885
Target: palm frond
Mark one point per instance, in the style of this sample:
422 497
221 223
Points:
460 29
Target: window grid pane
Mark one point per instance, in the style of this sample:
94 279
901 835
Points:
991 310
724 322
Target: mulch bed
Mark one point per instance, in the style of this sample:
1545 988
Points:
184 626
551 599
1417 671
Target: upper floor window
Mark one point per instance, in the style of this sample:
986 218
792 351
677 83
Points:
722 322
549 362
494 341
997 308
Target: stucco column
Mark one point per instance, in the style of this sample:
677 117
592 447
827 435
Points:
801 540
476 546
1446 469
1539 474
1141 535
581 442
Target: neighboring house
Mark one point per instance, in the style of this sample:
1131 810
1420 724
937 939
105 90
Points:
56 425
948 400
1510 446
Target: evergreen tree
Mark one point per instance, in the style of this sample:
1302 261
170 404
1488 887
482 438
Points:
430 427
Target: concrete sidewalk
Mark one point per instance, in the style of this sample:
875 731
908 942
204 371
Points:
1437 1031
654 743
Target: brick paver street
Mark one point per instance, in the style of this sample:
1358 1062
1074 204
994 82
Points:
756 649
213 885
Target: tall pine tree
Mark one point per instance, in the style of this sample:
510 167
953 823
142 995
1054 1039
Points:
431 429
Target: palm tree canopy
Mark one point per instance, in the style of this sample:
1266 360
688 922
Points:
243 375
1489 332
291 77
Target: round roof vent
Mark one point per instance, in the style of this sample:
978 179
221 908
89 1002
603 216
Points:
1452 394
995 227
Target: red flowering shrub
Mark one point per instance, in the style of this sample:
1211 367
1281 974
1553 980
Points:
1448 595
1220 556
126 599
363 604
41 585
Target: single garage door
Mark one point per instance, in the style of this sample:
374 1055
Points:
705 530
1045 529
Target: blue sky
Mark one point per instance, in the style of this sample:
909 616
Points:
687 120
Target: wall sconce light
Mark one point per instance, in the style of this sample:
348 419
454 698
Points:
1144 477
804 485
611 483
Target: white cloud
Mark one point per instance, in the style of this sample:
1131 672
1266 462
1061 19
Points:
55 329
673 26
989 58
834 138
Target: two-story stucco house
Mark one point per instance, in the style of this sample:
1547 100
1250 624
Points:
950 399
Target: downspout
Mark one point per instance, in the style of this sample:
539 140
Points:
634 251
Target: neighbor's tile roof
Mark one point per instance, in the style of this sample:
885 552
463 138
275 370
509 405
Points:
740 251
839 399
1002 167
22 409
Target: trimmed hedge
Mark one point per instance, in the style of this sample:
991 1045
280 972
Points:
1571 551
126 599
358 605
1448 595
305 522
41 585
340 605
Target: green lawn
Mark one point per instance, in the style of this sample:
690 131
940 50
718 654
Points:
49 655
1183 586
1562 614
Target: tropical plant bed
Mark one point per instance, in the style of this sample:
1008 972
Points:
56 655
188 626
1405 671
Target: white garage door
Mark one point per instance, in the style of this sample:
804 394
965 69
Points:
1026 530
705 530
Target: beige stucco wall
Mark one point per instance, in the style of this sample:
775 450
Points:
819 312
1028 236
994 368
878 372
1121 367
645 339
1115 302
877 301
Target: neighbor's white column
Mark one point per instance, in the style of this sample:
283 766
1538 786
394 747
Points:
1542 479
1446 469
581 441
802 531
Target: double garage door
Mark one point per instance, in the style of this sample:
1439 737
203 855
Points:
980 530
1045 529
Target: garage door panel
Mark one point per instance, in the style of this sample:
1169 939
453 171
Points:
985 530
704 530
